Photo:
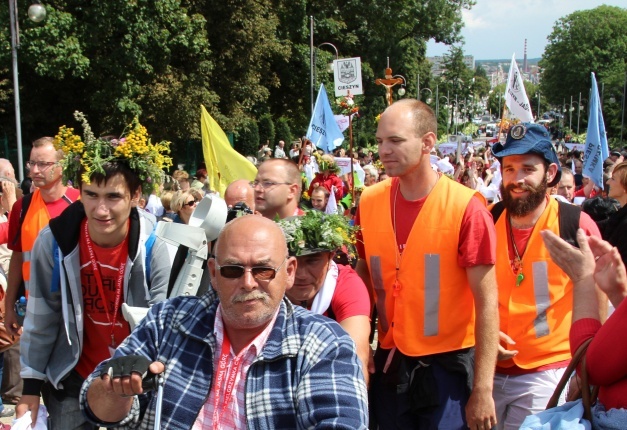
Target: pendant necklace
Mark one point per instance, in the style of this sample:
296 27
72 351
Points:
517 260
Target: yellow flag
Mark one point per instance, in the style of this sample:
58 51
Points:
224 164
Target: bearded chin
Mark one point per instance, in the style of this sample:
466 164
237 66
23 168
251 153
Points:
522 206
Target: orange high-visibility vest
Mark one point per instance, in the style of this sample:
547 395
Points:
426 307
36 218
537 314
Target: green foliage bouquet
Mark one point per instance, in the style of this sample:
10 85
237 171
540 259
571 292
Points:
87 155
318 232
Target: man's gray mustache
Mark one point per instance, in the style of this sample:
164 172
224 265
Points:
253 295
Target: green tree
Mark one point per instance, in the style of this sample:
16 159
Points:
247 140
283 131
113 60
266 129
587 41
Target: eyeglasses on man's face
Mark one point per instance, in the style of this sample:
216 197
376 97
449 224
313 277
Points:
260 273
41 165
267 184
191 203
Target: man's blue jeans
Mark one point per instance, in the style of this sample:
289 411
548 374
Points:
63 406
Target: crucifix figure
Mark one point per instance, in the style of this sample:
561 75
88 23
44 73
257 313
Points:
388 83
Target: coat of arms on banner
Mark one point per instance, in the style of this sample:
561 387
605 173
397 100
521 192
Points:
348 71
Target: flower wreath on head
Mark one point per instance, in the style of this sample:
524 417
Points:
134 148
326 163
318 232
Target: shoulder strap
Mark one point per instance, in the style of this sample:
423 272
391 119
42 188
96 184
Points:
149 244
56 269
569 222
496 211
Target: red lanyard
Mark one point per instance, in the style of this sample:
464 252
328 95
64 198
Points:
118 284
221 375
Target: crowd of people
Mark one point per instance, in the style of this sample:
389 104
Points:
475 276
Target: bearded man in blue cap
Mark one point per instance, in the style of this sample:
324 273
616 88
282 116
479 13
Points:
535 295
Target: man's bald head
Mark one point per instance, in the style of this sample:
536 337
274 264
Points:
6 169
240 191
245 227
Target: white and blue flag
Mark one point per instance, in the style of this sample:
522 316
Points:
323 131
595 151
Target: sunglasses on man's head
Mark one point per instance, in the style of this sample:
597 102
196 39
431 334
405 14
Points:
260 273
192 203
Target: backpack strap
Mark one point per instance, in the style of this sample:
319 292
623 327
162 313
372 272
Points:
149 244
568 220
496 210
569 216
56 268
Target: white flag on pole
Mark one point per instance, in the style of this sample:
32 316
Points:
515 95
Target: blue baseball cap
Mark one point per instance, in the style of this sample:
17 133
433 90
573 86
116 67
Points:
529 138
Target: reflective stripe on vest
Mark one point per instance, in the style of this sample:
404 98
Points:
432 294
542 298
376 277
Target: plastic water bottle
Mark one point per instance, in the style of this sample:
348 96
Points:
20 306
20 310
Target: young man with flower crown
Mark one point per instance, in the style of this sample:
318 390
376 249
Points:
95 254
321 285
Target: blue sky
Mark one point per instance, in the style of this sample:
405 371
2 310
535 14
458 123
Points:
496 29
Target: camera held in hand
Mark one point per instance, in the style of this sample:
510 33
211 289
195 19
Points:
237 210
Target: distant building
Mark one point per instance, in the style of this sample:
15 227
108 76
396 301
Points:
438 64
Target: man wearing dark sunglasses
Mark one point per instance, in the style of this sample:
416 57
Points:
247 360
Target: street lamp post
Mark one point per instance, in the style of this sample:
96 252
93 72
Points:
437 108
401 91
430 94
538 96
570 113
37 13
337 56
622 120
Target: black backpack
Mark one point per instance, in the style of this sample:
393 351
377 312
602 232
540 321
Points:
568 218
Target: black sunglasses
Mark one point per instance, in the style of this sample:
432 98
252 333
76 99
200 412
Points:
190 204
260 273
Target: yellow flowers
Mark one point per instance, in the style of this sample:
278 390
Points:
84 159
67 141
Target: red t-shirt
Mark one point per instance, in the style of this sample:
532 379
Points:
350 297
328 182
97 328
54 209
606 357
477 238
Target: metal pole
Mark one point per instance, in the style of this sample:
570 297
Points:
539 105
570 114
311 61
578 111
622 120
15 42
448 103
437 105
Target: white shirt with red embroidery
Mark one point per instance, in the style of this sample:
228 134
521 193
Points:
234 417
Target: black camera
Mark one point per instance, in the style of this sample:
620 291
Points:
237 210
